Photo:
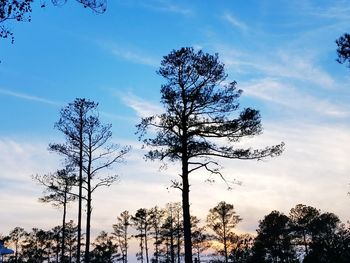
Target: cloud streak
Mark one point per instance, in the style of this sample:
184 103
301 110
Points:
143 108
28 97
272 90
129 54
167 6
234 22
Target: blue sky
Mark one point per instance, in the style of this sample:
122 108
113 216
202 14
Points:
281 53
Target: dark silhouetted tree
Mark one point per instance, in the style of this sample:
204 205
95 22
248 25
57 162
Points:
241 250
73 123
141 222
222 219
200 239
105 250
343 50
156 220
121 234
36 247
58 192
88 148
171 232
71 241
199 112
331 241
99 154
274 240
16 237
302 218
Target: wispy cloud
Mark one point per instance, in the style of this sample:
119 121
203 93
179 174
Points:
133 55
299 66
335 10
167 6
235 22
142 107
275 91
28 97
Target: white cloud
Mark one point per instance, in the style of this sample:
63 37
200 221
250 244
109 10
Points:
235 22
275 63
273 90
143 108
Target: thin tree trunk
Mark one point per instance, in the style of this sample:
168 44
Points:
126 243
89 207
141 246
156 244
80 186
172 252
178 236
225 238
88 224
146 243
64 227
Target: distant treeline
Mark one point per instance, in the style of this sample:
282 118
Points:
305 235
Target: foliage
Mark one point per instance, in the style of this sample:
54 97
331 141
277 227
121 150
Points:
105 249
20 11
331 240
273 242
343 51
302 219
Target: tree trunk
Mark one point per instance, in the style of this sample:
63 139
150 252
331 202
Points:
178 236
172 252
88 226
146 243
186 212
225 239
64 226
89 200
126 244
80 186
